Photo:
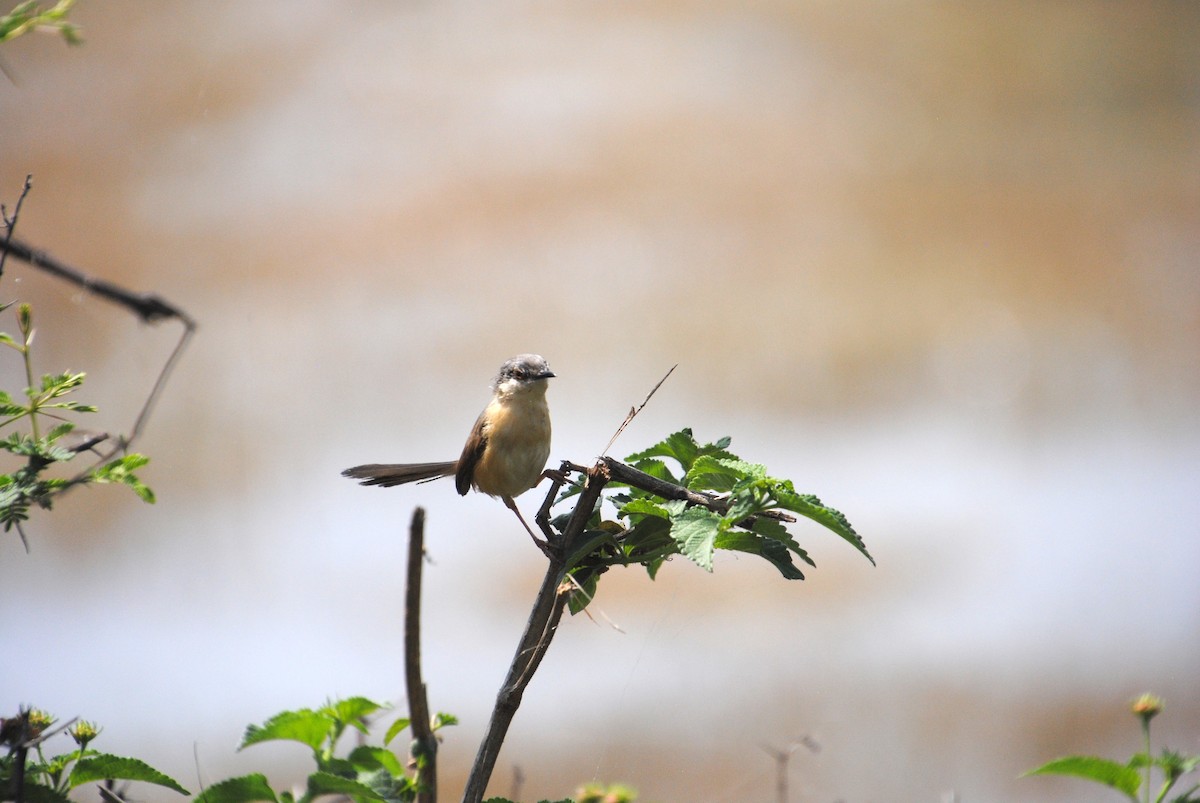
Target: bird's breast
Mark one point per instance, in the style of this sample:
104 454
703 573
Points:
518 445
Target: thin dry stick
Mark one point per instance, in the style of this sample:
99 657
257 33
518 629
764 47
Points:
418 705
633 411
539 630
150 308
10 223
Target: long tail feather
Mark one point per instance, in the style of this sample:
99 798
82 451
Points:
389 474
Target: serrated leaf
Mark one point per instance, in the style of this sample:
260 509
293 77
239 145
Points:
643 505
103 766
681 447
366 758
324 783
352 710
655 468
774 530
243 789
811 507
720 474
694 531
396 729
305 726
775 552
1101 770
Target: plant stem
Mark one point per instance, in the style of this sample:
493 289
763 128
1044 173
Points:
535 641
418 704
1149 761
33 401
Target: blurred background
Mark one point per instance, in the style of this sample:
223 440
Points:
937 263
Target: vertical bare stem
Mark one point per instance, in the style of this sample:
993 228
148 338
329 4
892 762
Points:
539 630
424 741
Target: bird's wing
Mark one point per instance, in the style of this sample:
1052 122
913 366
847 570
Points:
471 454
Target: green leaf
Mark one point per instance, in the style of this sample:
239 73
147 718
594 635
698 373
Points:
121 470
102 767
324 783
75 407
58 431
305 726
775 551
810 506
39 793
352 710
443 720
367 758
1117 776
655 468
681 447
396 729
643 505
694 531
583 591
243 789
720 474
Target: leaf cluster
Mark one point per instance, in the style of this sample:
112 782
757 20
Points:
30 485
28 772
366 773
28 16
723 503
1128 778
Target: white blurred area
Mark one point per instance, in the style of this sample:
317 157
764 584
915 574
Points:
937 264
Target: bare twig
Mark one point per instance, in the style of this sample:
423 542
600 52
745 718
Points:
518 780
633 411
418 705
535 641
10 223
782 757
150 308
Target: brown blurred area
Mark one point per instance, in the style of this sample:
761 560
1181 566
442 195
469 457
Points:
938 262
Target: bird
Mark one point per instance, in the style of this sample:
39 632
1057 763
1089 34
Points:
506 452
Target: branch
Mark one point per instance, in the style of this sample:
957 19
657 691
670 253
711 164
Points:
424 740
535 641
150 308
629 475
10 223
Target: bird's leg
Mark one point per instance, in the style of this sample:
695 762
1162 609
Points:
542 545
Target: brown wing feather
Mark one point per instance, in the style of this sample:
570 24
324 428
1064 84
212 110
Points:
472 451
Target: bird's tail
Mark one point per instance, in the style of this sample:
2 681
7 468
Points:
388 474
